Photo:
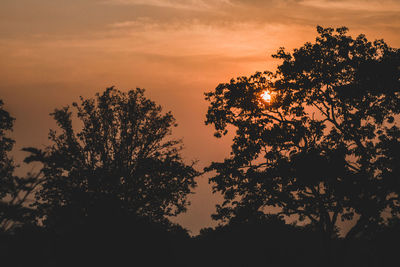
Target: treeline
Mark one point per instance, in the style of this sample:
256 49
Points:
317 140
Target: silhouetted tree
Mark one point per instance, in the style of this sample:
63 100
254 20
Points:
6 163
119 161
324 147
14 190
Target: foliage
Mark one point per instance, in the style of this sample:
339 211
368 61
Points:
325 147
14 190
6 163
121 162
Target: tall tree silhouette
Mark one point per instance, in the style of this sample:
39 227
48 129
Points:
324 147
6 164
14 190
119 161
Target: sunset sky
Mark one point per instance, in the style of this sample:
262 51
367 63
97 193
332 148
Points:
52 51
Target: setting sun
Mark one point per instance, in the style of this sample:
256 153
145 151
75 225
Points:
266 96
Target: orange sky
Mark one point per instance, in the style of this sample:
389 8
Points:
53 51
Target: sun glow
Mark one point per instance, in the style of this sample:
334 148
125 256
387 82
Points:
266 96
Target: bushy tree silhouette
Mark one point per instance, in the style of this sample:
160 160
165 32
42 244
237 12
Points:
118 162
324 147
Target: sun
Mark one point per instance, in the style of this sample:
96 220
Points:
266 96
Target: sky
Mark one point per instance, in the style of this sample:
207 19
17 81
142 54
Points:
52 52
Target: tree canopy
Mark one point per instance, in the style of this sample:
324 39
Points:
325 147
6 164
6 145
119 161
14 190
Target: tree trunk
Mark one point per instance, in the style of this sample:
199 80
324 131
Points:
327 249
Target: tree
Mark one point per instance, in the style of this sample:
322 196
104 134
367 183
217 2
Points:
14 190
121 162
6 163
324 147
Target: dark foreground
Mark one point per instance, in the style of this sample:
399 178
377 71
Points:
137 243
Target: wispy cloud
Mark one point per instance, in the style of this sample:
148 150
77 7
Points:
360 5
191 37
177 4
141 22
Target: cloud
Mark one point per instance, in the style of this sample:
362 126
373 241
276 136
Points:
177 4
356 5
141 22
